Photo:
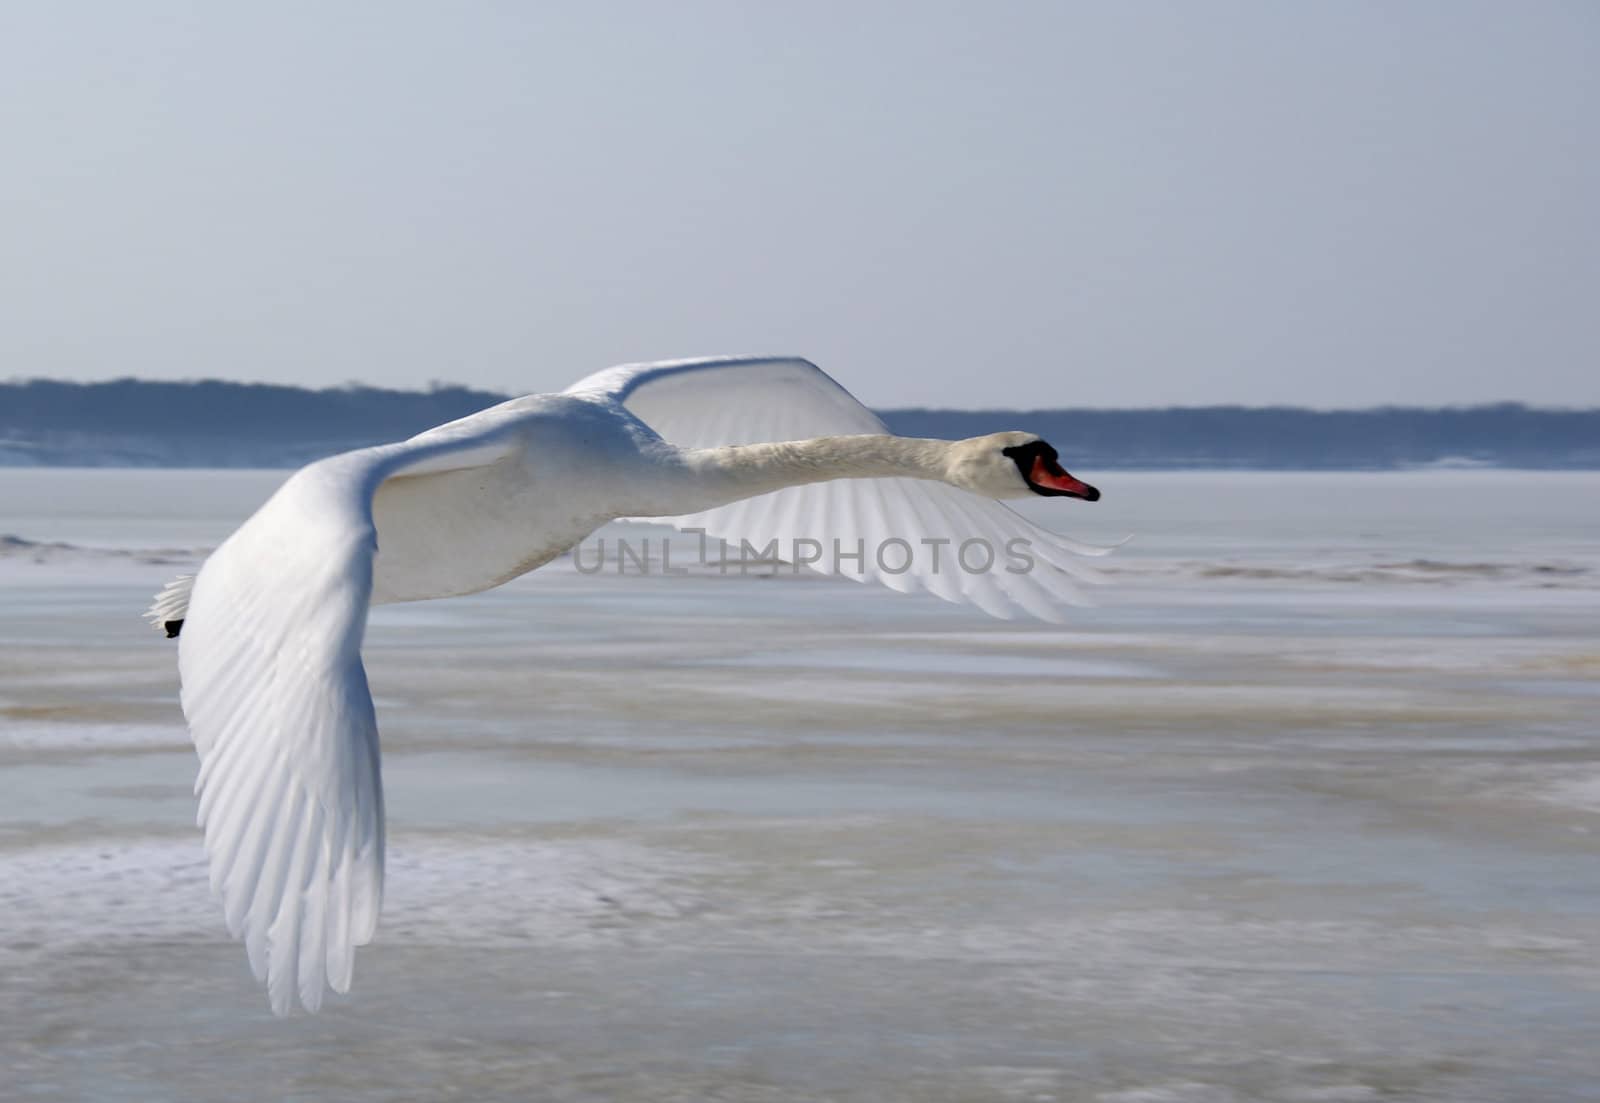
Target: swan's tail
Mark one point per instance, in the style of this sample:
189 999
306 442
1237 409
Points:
166 613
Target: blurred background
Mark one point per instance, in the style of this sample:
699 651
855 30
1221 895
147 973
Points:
1302 805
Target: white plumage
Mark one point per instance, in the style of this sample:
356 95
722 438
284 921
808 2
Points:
269 655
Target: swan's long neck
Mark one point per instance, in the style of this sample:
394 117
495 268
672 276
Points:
711 477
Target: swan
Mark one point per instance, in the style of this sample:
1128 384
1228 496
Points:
270 628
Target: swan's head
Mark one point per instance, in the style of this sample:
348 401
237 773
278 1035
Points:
1014 465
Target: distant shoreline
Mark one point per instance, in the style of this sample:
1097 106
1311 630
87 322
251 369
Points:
133 423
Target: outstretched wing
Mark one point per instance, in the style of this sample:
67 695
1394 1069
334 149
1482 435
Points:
291 798
1011 566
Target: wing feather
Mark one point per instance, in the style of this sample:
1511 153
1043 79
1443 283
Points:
745 400
289 785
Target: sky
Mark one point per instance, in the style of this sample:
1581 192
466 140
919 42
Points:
967 205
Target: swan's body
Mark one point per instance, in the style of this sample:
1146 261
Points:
271 627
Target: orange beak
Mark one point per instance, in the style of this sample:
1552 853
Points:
1052 476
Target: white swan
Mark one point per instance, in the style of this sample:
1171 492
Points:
269 654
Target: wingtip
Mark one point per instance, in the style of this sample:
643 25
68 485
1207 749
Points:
281 1002
1095 550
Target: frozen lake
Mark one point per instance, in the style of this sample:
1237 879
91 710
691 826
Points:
1305 807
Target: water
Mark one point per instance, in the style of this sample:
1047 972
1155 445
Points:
1305 807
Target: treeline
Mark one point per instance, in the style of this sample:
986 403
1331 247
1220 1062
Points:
1505 435
212 423
252 411
132 422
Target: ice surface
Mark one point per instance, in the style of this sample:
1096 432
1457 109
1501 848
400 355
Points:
1304 808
